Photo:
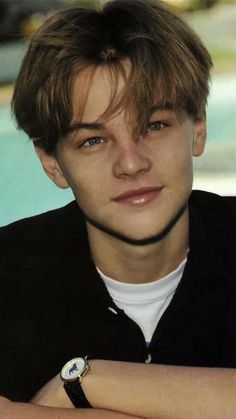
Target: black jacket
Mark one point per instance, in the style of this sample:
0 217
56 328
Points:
54 305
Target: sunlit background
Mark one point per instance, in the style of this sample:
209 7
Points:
24 188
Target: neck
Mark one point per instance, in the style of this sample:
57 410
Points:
130 263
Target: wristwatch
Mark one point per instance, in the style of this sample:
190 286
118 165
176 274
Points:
72 374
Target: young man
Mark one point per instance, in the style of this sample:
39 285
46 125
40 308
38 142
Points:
138 270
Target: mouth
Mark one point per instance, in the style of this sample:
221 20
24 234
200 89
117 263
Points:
139 197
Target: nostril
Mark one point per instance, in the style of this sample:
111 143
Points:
131 163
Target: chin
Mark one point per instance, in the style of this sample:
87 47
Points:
142 238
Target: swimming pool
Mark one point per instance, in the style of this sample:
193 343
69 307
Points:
25 189
222 110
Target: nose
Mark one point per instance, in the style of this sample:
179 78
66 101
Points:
130 160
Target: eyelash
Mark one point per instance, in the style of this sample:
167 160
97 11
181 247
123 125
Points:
156 126
151 127
91 145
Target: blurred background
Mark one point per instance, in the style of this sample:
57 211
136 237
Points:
24 188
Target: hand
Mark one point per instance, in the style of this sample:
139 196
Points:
52 394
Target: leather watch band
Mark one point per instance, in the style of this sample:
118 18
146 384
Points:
76 395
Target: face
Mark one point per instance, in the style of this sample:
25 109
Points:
133 186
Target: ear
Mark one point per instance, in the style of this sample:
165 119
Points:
200 133
52 168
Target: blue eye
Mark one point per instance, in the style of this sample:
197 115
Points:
92 142
156 126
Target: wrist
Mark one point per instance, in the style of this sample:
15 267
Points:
72 375
94 383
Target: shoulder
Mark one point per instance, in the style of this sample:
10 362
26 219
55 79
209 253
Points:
58 221
41 243
209 203
216 213
213 225
213 232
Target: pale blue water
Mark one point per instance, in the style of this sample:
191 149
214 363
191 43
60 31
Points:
25 189
222 110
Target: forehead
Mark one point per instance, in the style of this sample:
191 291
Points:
96 89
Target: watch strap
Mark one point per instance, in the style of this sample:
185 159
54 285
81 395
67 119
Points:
76 395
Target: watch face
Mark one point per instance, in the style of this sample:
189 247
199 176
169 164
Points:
73 369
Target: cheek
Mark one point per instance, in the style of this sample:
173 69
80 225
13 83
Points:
176 157
183 166
88 186
87 177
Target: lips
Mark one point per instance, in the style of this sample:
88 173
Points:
139 196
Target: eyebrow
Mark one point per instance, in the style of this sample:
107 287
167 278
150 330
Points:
92 126
77 126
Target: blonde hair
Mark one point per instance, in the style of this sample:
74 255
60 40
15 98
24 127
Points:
166 56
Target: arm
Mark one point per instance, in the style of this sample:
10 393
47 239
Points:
11 410
154 391
162 392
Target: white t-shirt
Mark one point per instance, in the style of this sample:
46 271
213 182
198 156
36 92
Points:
145 303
